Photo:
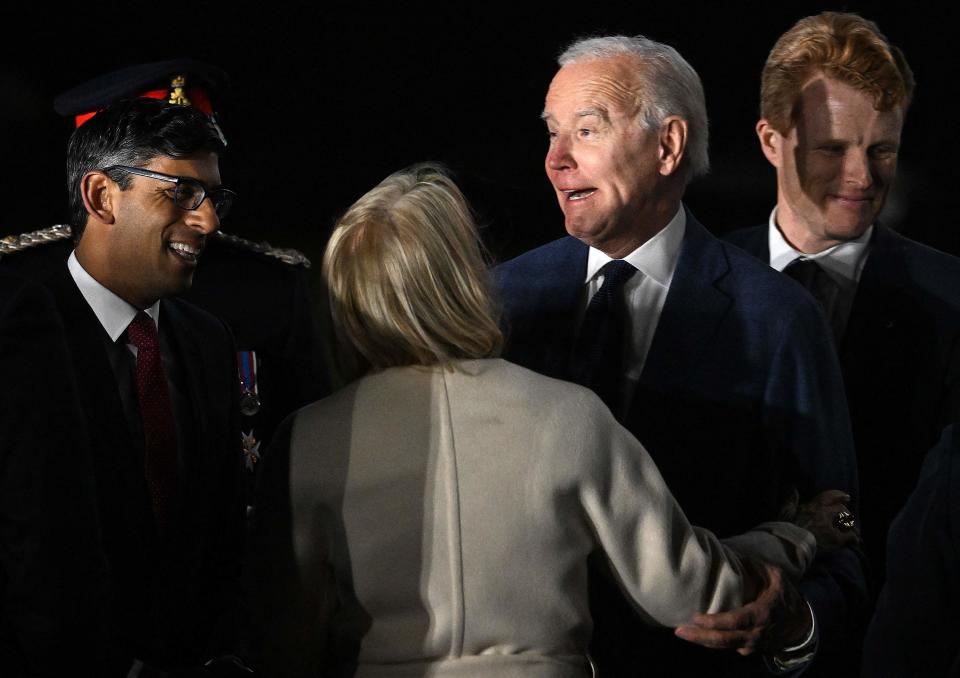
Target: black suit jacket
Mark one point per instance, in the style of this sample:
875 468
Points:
173 597
269 308
900 357
914 629
266 304
740 399
52 570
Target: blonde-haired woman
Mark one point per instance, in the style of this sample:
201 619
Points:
435 516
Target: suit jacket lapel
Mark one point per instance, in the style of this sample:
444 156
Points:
563 300
881 311
693 310
98 387
118 455
542 300
189 357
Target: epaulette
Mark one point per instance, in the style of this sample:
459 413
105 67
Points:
284 254
25 241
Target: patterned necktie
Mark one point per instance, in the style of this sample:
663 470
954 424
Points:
598 361
157 415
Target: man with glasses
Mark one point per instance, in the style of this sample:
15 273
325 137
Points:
157 381
262 292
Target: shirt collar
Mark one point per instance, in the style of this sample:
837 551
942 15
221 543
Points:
656 258
845 260
113 312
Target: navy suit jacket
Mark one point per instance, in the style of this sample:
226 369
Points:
900 358
173 596
914 630
740 400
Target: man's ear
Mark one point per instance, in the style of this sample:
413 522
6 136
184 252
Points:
97 191
673 144
771 142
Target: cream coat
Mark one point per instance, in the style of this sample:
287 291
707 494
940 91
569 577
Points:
452 512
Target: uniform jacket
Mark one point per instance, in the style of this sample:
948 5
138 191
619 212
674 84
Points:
173 595
740 401
267 305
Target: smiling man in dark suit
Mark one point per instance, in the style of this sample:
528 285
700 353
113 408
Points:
834 94
157 382
721 368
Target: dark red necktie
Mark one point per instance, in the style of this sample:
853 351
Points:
159 434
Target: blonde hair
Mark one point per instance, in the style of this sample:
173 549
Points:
842 46
407 279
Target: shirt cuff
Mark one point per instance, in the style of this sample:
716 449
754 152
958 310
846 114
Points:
792 658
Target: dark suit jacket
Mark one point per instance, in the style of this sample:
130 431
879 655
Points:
740 399
52 570
901 367
172 594
914 630
266 304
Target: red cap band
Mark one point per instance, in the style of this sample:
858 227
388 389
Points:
198 99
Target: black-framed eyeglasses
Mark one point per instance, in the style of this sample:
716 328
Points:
188 193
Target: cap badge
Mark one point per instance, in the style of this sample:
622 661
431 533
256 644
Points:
177 90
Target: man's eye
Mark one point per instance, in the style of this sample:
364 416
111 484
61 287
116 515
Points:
883 152
585 132
831 149
187 191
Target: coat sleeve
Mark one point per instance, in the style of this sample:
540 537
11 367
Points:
669 569
807 424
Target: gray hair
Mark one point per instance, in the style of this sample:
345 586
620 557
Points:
668 84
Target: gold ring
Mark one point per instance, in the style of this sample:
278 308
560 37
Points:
844 521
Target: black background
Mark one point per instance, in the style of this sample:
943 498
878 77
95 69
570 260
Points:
328 98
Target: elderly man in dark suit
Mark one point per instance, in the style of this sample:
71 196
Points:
157 379
834 94
721 368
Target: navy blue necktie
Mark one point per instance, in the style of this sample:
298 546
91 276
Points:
598 357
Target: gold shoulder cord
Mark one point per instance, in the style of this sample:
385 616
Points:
25 241
284 254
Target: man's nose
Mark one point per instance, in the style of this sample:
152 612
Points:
857 170
560 154
204 218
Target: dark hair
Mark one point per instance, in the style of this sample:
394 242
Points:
133 132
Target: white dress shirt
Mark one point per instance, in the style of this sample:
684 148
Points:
114 313
843 264
645 293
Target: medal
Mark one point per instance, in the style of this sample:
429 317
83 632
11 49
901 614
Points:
251 449
247 371
249 403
